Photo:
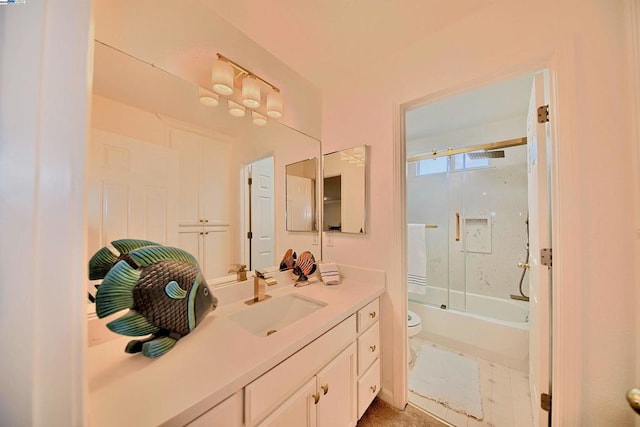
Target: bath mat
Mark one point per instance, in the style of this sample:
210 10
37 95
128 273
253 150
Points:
448 378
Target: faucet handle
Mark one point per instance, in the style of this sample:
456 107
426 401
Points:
259 273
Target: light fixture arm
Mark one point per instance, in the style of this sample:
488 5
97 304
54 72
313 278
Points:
247 72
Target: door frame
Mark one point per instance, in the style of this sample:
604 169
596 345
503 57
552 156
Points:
566 360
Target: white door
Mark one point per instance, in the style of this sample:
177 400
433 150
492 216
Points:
132 191
299 203
539 237
262 214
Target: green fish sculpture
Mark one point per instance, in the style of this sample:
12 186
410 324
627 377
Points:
166 295
103 260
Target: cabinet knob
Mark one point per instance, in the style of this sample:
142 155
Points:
206 220
201 233
316 398
372 348
372 314
373 388
201 220
325 388
207 233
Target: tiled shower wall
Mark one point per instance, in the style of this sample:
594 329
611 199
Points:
493 197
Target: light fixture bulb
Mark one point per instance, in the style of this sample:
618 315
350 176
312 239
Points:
258 119
251 92
236 110
207 98
222 77
274 105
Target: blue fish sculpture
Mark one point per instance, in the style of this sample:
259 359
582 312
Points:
305 265
104 260
288 260
165 293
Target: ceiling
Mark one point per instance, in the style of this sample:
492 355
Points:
322 40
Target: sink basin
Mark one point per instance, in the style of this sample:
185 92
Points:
269 316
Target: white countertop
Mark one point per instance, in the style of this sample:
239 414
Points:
214 361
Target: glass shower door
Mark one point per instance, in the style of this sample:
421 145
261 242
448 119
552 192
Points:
457 254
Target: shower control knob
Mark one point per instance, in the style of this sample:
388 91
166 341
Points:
523 265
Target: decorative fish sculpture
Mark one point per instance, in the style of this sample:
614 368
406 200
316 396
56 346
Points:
305 265
165 293
103 260
288 260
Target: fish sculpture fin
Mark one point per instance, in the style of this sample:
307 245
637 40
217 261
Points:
132 324
135 346
116 291
174 291
313 269
152 254
100 263
124 246
158 346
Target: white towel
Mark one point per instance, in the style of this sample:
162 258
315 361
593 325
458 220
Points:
416 255
329 273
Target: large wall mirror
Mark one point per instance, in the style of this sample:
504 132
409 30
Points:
301 195
344 195
164 167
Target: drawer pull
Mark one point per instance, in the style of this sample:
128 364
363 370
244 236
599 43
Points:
316 398
372 347
325 388
372 314
373 388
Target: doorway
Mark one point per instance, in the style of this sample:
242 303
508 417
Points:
477 167
259 214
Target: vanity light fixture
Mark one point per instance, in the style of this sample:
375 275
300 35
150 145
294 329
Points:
258 119
208 98
236 110
226 76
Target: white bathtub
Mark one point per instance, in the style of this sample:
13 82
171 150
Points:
493 329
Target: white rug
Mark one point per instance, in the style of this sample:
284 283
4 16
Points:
447 378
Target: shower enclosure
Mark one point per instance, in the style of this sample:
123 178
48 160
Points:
473 204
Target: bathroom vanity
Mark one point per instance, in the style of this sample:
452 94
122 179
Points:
228 372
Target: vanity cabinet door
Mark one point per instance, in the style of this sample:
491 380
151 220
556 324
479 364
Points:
336 386
298 410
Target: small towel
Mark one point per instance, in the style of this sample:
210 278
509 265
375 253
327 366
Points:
329 273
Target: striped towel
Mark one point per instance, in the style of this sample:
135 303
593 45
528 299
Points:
329 273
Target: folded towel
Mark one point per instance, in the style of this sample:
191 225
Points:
329 273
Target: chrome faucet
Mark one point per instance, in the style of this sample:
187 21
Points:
260 282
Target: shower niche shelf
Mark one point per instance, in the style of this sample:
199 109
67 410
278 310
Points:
478 234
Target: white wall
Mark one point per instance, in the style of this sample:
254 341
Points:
45 61
507 38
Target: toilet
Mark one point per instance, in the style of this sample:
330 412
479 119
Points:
414 326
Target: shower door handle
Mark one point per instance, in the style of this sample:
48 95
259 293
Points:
457 226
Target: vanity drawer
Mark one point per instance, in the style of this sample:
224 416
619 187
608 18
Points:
368 387
368 315
368 347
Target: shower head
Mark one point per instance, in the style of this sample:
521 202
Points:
486 154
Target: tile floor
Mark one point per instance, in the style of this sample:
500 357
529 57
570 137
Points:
506 401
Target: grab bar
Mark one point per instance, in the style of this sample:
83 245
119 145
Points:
457 226
430 226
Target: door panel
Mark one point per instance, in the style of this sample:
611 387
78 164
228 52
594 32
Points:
298 410
262 213
337 405
540 237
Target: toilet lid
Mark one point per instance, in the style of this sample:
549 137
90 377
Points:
413 319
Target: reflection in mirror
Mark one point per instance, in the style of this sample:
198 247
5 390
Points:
344 201
301 195
164 167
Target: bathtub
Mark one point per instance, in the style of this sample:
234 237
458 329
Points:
493 329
